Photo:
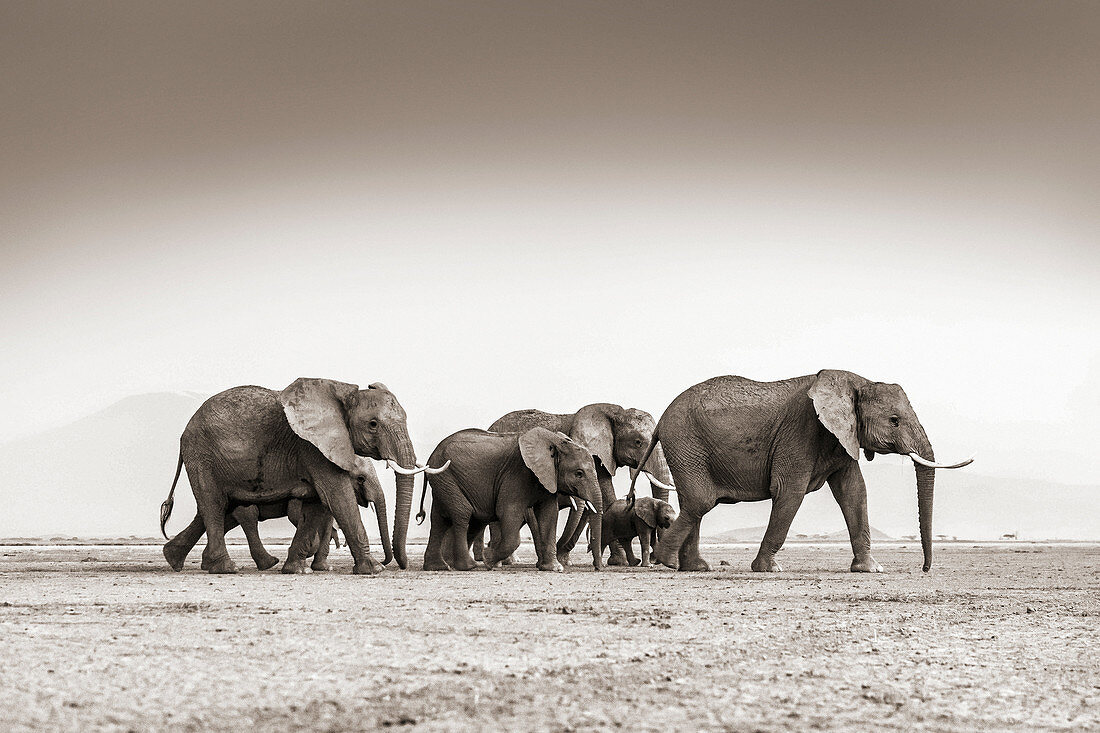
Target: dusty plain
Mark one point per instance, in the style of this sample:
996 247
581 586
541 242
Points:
996 637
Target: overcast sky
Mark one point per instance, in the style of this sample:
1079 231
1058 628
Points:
492 206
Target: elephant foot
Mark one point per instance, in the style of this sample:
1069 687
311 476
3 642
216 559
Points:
296 567
266 563
668 559
436 565
510 560
866 565
635 563
174 557
551 567
222 566
766 565
368 566
618 559
694 565
563 558
321 566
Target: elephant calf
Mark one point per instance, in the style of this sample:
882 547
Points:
624 520
484 477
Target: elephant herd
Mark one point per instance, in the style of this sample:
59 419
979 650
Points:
253 454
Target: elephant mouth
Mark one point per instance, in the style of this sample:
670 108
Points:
664 525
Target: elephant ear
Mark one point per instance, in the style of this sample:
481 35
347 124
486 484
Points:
539 449
646 509
315 410
592 428
834 397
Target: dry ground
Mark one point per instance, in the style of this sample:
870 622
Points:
996 637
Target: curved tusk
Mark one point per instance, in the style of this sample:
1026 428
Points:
932 464
433 471
393 466
573 503
658 483
590 506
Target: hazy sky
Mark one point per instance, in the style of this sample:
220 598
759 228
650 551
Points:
491 206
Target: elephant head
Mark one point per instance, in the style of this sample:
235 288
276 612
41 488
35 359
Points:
343 422
657 514
562 464
877 418
619 436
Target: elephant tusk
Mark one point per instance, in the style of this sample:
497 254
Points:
932 464
433 471
573 503
393 466
658 483
590 506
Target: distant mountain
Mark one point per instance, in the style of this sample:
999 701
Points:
106 475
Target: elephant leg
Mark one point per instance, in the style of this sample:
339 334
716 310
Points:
439 535
628 550
850 492
679 547
249 519
574 525
212 506
544 530
607 488
337 492
787 495
506 540
306 538
460 529
176 549
643 543
320 559
478 546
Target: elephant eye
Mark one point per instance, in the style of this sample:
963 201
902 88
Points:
579 473
895 420
638 442
373 425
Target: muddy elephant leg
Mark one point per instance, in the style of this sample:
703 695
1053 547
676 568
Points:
320 559
460 529
306 538
787 495
337 492
643 543
574 525
212 506
176 549
249 519
440 535
505 541
544 531
679 547
628 550
850 492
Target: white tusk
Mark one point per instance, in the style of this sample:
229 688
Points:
433 471
591 507
393 466
931 464
658 483
573 503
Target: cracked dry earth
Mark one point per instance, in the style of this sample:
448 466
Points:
996 637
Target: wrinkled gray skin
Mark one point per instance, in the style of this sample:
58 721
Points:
251 445
643 518
731 439
498 477
367 491
617 436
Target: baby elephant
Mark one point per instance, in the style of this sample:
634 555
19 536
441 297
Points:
623 521
478 477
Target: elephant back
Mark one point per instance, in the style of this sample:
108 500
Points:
523 420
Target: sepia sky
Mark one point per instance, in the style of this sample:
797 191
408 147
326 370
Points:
497 205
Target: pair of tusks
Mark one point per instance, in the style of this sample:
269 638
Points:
393 466
587 505
932 464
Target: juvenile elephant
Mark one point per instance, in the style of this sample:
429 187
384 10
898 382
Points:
616 436
250 445
368 491
497 477
642 518
731 439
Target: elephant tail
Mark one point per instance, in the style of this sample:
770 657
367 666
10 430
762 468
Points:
645 457
166 507
420 514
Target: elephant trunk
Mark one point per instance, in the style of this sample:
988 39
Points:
926 479
383 528
595 524
407 458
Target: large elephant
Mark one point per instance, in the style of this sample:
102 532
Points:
478 477
368 492
251 445
731 439
616 436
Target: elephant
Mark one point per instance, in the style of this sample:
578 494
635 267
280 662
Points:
616 436
624 520
731 439
368 491
485 477
251 445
